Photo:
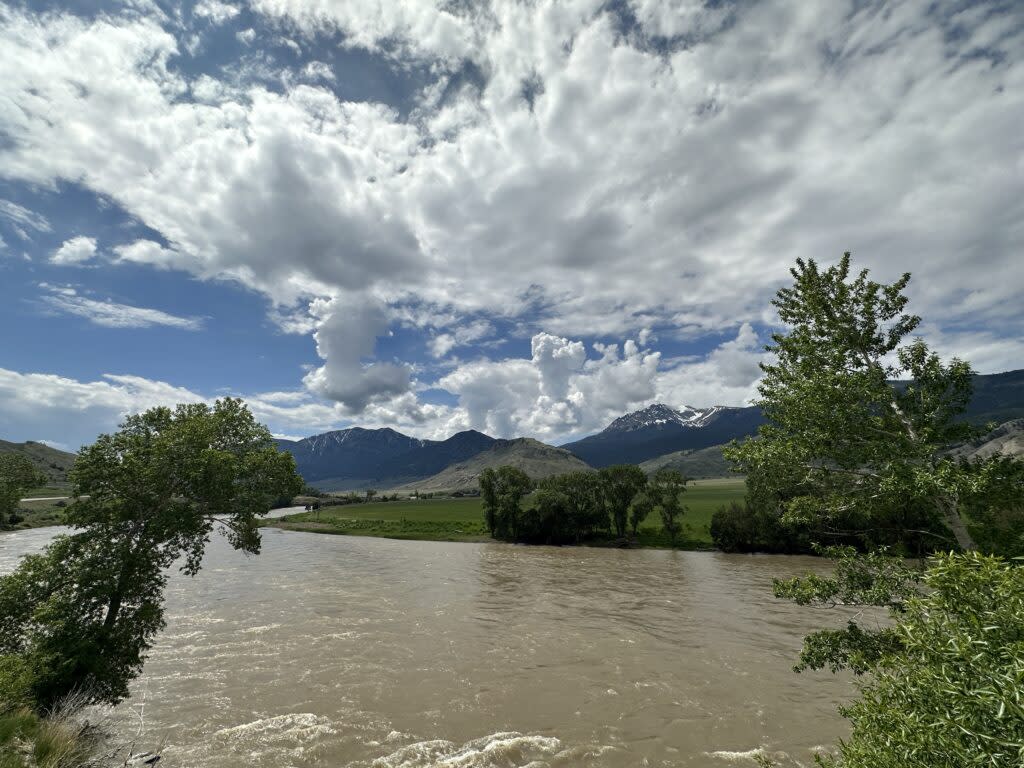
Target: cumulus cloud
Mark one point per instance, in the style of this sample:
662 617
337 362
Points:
345 339
77 250
554 393
564 168
111 314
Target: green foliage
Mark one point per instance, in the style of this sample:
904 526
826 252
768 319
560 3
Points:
734 528
502 491
843 449
17 475
620 485
639 509
667 486
81 615
567 508
872 580
948 692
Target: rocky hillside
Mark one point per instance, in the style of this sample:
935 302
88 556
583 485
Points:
1006 440
51 462
536 459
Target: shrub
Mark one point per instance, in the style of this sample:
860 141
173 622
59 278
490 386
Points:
950 694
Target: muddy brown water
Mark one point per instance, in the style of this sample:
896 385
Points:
344 651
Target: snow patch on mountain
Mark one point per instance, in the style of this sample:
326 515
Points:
660 414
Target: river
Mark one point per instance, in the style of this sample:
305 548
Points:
341 651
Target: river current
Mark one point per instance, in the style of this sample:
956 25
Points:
339 651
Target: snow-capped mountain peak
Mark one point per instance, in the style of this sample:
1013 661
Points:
660 414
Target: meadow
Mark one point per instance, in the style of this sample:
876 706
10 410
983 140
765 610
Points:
456 519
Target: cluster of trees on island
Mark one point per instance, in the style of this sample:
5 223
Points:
845 457
579 506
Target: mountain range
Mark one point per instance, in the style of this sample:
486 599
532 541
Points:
684 438
357 458
660 429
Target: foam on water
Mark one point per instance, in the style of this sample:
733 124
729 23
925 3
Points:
498 750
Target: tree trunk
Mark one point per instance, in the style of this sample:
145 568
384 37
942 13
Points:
951 516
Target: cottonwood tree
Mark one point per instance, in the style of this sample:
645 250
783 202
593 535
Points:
842 441
641 506
667 486
501 492
81 615
621 483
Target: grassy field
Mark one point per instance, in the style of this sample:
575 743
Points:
463 519
37 514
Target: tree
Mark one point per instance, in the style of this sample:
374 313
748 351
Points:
81 615
641 506
857 426
621 483
842 444
502 491
667 486
17 475
944 681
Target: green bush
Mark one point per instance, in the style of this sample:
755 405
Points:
950 695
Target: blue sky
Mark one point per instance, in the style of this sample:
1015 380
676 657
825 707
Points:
524 218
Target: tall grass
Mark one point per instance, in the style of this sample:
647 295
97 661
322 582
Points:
62 739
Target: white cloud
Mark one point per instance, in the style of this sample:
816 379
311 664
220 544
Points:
216 11
421 28
110 314
46 407
345 338
443 343
591 185
22 219
77 250
153 254
317 70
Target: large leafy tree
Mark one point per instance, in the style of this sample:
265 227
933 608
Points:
621 483
667 487
17 475
844 446
502 491
81 615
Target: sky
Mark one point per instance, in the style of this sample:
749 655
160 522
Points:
526 217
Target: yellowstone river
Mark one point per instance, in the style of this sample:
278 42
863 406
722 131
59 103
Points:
341 651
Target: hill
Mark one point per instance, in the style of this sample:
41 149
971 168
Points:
660 429
356 458
998 397
698 464
51 462
535 458
1006 439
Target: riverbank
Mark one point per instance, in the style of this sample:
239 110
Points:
463 519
